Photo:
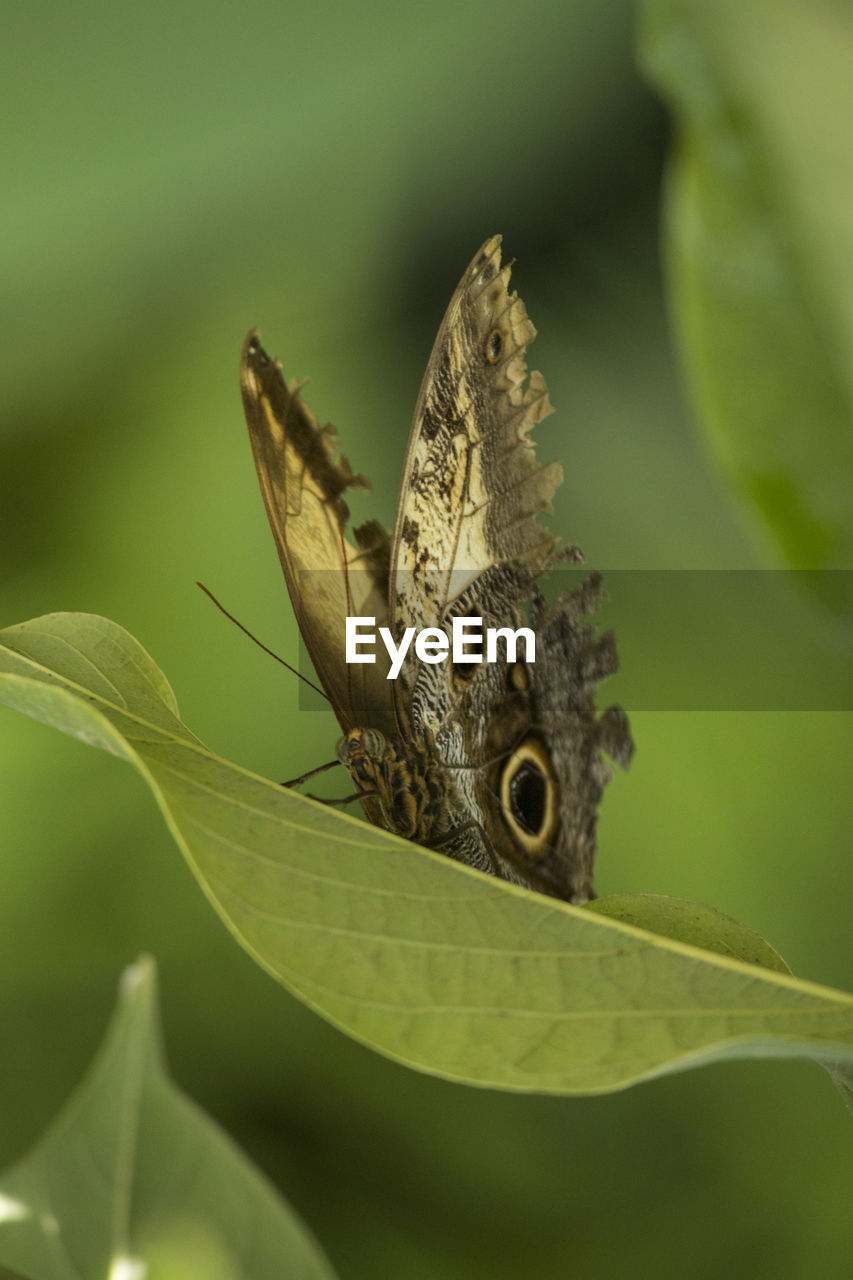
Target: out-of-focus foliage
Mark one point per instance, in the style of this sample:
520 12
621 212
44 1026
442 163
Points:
172 176
133 1180
760 247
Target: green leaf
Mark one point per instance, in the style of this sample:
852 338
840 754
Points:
691 922
132 1179
427 961
759 247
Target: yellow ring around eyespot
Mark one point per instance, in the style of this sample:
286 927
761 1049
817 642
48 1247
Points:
532 750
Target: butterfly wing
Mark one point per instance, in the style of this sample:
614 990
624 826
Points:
497 765
472 486
327 577
521 743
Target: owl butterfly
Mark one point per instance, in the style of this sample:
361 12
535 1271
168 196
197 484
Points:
496 764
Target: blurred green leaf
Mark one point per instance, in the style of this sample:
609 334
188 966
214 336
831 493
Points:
759 243
433 964
133 1180
693 923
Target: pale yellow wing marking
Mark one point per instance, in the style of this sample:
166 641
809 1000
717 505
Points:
472 487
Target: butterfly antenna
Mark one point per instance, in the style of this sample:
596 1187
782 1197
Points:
312 773
260 644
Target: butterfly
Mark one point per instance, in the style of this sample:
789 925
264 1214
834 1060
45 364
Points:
497 764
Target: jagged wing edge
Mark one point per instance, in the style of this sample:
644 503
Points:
327 577
499 425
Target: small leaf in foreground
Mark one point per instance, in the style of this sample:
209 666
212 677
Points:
134 1180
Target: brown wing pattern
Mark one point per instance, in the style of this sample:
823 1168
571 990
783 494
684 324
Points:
327 577
497 765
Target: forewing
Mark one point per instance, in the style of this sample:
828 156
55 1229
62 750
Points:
472 487
327 577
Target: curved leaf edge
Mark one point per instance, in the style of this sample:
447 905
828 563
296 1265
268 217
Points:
834 1055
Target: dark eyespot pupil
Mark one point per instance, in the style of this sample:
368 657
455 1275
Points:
527 793
494 345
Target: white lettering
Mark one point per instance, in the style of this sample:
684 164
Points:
353 640
465 630
512 638
431 645
396 654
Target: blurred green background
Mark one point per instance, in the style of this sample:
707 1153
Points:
174 175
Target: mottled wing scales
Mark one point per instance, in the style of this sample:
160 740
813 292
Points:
327 577
472 487
498 767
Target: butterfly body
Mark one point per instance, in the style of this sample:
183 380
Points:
498 764
397 777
